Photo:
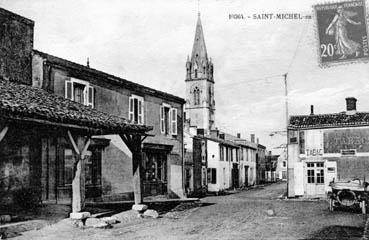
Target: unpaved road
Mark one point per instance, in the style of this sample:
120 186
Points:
241 215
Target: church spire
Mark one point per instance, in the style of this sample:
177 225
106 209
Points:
199 49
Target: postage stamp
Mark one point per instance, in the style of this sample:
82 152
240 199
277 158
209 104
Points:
342 32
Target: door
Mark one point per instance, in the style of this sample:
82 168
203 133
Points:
246 175
235 176
315 178
155 173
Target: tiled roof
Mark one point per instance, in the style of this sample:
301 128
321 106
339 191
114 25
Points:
219 140
107 77
24 102
329 120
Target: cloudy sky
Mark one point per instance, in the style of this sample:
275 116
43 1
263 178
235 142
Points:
148 42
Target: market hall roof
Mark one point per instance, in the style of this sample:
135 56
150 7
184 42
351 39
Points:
329 120
26 103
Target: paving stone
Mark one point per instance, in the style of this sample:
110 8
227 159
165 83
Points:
139 207
90 222
79 215
151 213
270 212
110 220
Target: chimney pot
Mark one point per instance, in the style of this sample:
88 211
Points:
238 135
351 104
311 109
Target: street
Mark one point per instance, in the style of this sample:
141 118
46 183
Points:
252 214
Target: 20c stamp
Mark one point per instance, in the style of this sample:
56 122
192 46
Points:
342 32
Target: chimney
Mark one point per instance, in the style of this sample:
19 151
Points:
238 135
221 135
311 109
252 136
200 131
257 140
350 105
214 132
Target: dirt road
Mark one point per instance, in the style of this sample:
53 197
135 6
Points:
253 214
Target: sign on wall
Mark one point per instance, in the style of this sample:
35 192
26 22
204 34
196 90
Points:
342 32
337 140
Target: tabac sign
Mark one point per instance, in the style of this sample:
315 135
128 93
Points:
347 139
342 32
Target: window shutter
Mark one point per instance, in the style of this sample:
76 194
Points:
90 96
162 121
174 121
130 110
140 111
68 89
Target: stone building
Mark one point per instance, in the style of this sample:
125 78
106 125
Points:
205 167
109 167
327 147
162 151
41 132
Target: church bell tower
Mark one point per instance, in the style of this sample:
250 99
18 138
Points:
200 104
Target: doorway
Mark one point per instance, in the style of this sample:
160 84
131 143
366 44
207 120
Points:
315 178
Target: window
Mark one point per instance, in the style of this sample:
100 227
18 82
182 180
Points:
93 167
302 142
227 154
284 174
196 96
230 154
212 175
168 120
68 166
80 91
315 173
221 151
136 109
284 164
155 167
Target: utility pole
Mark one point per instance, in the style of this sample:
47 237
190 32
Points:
286 98
287 122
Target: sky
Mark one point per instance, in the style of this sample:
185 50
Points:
148 42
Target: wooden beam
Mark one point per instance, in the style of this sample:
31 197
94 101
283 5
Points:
75 148
134 142
78 184
3 132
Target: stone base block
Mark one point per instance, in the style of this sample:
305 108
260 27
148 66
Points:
79 215
139 207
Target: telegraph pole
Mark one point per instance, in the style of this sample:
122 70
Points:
287 122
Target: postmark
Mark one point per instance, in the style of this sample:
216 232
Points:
342 32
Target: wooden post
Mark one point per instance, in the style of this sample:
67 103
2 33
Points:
137 177
133 142
78 183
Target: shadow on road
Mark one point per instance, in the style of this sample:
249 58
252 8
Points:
338 233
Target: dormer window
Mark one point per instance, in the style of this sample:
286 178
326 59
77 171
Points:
80 91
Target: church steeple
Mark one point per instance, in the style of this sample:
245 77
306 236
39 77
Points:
200 104
199 66
199 47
